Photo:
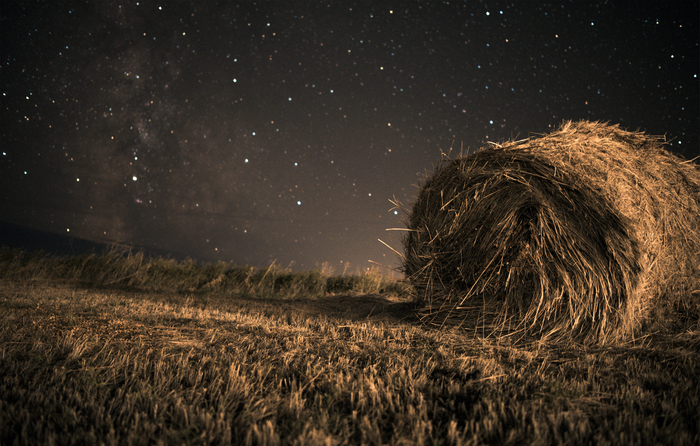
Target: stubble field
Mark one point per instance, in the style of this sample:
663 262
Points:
119 349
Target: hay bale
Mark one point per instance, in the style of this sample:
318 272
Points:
581 234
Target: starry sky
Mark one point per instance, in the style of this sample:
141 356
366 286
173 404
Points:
262 131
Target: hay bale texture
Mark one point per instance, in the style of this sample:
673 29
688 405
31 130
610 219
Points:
582 234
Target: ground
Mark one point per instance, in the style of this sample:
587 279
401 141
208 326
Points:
122 365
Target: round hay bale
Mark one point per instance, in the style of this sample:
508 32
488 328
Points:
582 234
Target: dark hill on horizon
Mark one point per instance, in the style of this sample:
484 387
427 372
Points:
30 239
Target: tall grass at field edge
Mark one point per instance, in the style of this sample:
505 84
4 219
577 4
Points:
120 267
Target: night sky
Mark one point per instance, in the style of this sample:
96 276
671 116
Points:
255 132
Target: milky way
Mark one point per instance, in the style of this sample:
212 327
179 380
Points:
255 132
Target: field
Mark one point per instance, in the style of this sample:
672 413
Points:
121 349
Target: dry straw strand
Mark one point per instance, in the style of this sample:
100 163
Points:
588 233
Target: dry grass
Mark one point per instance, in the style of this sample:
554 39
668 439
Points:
589 233
125 364
130 367
120 267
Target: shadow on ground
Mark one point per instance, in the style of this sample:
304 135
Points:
372 307
367 307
